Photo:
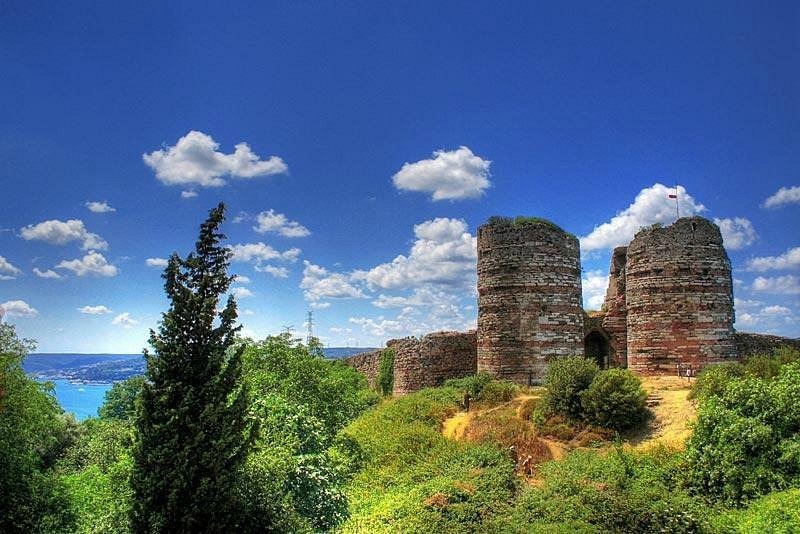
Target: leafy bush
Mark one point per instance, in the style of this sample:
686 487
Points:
482 387
769 365
615 491
333 393
498 392
713 380
385 379
566 379
615 399
746 442
777 513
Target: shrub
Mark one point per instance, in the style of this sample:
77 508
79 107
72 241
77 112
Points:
615 399
386 372
745 442
713 379
777 512
615 491
483 388
566 379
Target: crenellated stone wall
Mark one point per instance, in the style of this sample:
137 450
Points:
751 344
679 297
529 297
615 313
367 363
428 362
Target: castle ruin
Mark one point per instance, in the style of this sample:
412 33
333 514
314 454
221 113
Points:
668 306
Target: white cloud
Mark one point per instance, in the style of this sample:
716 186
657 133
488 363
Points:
57 232
594 286
92 264
196 159
788 260
17 308
8 271
99 207
319 284
776 310
156 262
652 205
444 253
786 285
412 321
277 272
783 196
188 194
320 305
241 292
124 320
248 312
95 310
736 233
772 318
248 252
49 273
269 221
241 279
453 175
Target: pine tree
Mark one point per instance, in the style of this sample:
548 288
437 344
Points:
193 433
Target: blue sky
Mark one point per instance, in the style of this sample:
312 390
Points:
359 145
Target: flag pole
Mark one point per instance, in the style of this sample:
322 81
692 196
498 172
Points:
677 206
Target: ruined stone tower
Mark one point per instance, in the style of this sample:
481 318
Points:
679 297
529 297
615 311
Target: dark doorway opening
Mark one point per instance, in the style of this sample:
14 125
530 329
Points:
595 347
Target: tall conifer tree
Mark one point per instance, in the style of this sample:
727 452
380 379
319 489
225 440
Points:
193 434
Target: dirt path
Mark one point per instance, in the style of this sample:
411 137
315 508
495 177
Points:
672 415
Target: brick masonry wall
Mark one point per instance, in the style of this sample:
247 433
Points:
367 363
428 362
529 298
679 297
615 311
750 344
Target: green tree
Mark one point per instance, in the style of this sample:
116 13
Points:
193 433
33 434
120 400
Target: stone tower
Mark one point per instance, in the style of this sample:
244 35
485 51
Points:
614 310
679 297
529 297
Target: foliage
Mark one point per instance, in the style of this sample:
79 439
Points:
777 513
566 379
712 380
615 491
193 435
33 434
482 387
615 399
415 480
293 482
746 442
120 400
385 379
769 365
332 392
101 498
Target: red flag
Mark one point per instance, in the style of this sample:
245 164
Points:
673 196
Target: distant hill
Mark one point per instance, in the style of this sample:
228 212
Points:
115 367
337 353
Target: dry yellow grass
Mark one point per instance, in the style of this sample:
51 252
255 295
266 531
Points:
673 415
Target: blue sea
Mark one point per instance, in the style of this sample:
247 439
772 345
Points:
83 400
